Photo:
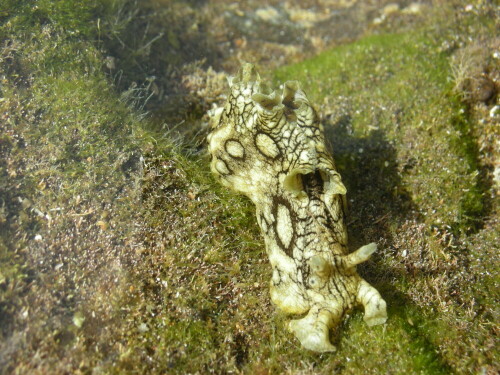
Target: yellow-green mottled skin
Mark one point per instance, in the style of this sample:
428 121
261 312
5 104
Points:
271 147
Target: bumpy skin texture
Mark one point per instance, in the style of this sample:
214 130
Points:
271 147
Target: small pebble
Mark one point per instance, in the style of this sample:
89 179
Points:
413 8
143 328
267 14
78 319
390 9
102 224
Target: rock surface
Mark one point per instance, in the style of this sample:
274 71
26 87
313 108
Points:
120 253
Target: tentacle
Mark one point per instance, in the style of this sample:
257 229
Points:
246 74
359 256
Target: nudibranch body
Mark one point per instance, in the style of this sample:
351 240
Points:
271 147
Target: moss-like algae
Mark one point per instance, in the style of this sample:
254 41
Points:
121 254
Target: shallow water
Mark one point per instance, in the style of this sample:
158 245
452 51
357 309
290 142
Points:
120 253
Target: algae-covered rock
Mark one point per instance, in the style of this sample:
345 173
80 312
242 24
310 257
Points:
120 253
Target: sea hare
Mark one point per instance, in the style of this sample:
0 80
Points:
270 146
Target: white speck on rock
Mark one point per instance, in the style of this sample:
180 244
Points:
143 328
267 14
495 111
390 9
496 175
413 8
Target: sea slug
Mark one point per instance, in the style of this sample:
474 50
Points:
270 146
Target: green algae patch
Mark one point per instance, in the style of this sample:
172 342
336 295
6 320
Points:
118 253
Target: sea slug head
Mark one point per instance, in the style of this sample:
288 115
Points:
263 139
